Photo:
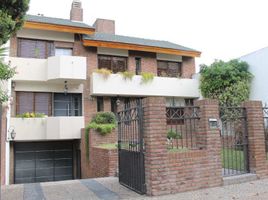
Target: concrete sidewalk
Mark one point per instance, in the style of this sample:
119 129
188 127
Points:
110 189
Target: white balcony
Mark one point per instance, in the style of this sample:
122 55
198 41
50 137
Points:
54 69
115 85
48 128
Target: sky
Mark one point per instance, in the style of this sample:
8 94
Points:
220 29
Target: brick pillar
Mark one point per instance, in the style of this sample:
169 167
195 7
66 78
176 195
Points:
155 137
208 138
256 138
107 104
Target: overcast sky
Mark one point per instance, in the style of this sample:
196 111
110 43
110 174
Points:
220 29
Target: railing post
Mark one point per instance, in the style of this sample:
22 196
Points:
256 138
208 138
155 138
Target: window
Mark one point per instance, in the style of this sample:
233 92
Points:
67 104
113 63
138 66
189 102
168 69
28 48
100 104
37 102
63 52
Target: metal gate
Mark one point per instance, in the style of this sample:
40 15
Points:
131 147
265 117
234 138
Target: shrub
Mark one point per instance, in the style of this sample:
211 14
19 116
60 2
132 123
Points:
173 135
104 72
31 115
146 77
127 75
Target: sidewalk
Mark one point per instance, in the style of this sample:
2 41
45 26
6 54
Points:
110 189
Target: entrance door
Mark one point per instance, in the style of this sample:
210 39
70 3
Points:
43 161
131 147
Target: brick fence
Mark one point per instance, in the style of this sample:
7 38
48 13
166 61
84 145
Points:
169 172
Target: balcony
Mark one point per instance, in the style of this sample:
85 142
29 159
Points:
48 128
115 85
55 69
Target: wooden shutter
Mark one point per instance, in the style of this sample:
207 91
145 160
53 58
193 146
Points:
119 64
43 103
25 102
105 62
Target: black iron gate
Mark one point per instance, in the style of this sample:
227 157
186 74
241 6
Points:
265 117
234 138
131 147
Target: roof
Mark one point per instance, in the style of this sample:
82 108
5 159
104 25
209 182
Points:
56 21
136 41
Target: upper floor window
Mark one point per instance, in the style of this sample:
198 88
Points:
168 69
63 52
138 66
37 102
113 63
28 48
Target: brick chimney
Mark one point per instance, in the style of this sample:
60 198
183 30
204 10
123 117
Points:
104 26
76 13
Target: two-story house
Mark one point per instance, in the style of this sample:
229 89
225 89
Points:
57 90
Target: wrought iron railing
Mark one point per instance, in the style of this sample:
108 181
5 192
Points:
182 126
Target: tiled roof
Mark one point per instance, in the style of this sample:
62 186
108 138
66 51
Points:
56 21
137 41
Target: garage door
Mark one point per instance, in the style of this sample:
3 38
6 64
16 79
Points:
43 161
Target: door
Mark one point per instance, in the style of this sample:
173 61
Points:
43 161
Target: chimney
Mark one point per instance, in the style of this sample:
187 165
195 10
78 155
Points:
104 26
76 13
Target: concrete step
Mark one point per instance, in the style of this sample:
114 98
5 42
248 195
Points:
239 179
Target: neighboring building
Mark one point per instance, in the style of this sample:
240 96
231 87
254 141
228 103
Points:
258 66
55 60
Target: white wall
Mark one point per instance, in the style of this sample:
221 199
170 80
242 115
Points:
258 62
46 35
159 86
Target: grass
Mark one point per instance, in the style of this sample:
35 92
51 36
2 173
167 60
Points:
232 159
109 146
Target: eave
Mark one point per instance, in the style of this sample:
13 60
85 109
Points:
59 28
118 45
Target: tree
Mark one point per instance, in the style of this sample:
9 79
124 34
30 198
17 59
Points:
12 13
229 82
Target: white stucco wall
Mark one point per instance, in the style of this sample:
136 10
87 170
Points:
258 62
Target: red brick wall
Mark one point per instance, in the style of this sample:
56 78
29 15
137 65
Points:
257 156
148 61
97 139
104 162
189 171
188 67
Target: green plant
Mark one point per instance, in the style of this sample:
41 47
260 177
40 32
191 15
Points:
173 135
229 82
31 115
127 75
103 129
146 77
104 72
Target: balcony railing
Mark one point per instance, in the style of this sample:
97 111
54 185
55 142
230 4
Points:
116 84
54 69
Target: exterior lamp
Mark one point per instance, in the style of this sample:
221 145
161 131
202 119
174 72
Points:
118 102
12 133
65 88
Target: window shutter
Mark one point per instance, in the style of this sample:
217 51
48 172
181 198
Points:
43 103
25 102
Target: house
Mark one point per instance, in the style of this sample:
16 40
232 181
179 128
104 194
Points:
258 63
57 89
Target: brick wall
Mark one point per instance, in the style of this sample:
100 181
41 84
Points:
148 61
104 162
188 67
170 172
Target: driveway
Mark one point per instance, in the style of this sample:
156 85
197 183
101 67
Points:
110 189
